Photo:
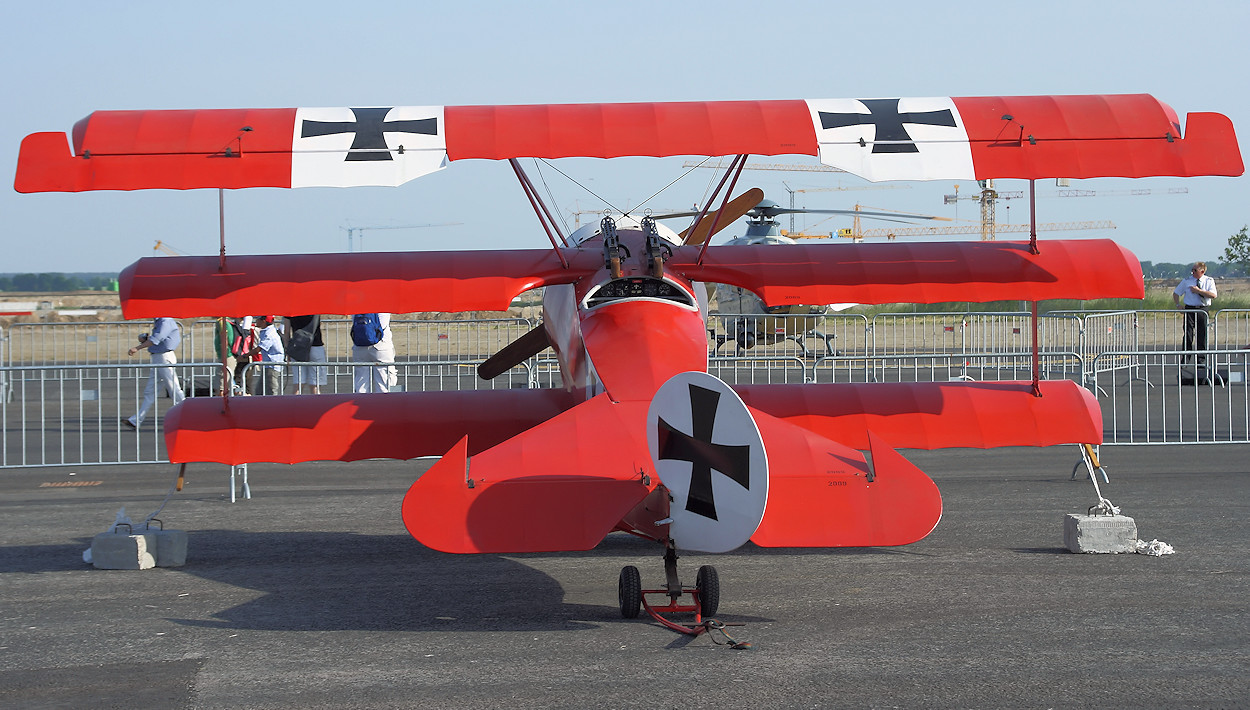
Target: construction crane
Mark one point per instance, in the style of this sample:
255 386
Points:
162 248
891 233
989 197
359 231
769 166
839 188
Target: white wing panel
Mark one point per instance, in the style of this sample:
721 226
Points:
348 147
893 139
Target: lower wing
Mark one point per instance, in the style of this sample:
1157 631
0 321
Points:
936 415
351 427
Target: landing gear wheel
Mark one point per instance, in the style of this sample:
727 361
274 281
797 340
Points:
629 592
707 584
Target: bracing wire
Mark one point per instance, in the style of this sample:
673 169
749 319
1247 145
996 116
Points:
564 225
575 182
640 205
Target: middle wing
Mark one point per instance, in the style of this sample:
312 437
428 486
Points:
398 282
922 272
450 281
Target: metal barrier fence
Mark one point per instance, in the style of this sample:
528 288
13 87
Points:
66 409
104 343
1087 333
1175 402
1232 329
65 415
949 333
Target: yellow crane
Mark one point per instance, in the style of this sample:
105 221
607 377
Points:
162 248
891 233
988 198
838 188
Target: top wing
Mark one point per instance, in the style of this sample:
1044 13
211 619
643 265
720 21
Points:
1132 135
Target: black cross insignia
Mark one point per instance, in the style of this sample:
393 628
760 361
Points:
733 461
370 123
884 114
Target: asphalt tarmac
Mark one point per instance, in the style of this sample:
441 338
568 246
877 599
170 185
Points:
312 595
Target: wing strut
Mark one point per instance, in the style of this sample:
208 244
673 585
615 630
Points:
735 168
1037 361
540 209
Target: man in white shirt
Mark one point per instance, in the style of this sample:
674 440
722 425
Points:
160 344
269 341
1193 295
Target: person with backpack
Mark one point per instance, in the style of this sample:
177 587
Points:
304 345
240 339
160 344
371 342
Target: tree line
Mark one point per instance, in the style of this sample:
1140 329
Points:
54 283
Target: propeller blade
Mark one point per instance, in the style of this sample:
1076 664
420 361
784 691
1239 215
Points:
729 214
514 353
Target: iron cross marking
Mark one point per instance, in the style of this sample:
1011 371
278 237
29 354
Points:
370 123
733 461
885 116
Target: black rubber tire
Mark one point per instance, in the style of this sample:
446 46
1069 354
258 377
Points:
629 592
707 584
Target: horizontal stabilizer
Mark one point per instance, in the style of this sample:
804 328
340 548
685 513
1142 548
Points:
563 485
936 415
351 427
920 272
823 494
361 282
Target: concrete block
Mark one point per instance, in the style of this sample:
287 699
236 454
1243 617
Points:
1099 533
121 550
171 547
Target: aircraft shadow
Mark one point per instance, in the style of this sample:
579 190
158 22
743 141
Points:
317 581
334 581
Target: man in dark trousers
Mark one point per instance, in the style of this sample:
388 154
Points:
1194 295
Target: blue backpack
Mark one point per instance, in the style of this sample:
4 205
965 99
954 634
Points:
366 329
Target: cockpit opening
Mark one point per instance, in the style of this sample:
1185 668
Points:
638 287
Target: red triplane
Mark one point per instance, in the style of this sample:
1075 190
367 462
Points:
641 438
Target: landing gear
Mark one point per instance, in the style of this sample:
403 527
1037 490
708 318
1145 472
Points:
707 588
705 599
629 592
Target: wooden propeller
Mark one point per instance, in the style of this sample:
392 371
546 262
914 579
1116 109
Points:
729 214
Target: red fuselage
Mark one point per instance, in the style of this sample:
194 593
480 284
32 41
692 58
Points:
626 336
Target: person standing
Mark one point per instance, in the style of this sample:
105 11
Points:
1194 295
160 344
371 342
304 345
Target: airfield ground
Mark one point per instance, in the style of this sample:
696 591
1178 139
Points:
312 595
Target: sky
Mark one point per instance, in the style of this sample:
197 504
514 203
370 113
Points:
64 60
